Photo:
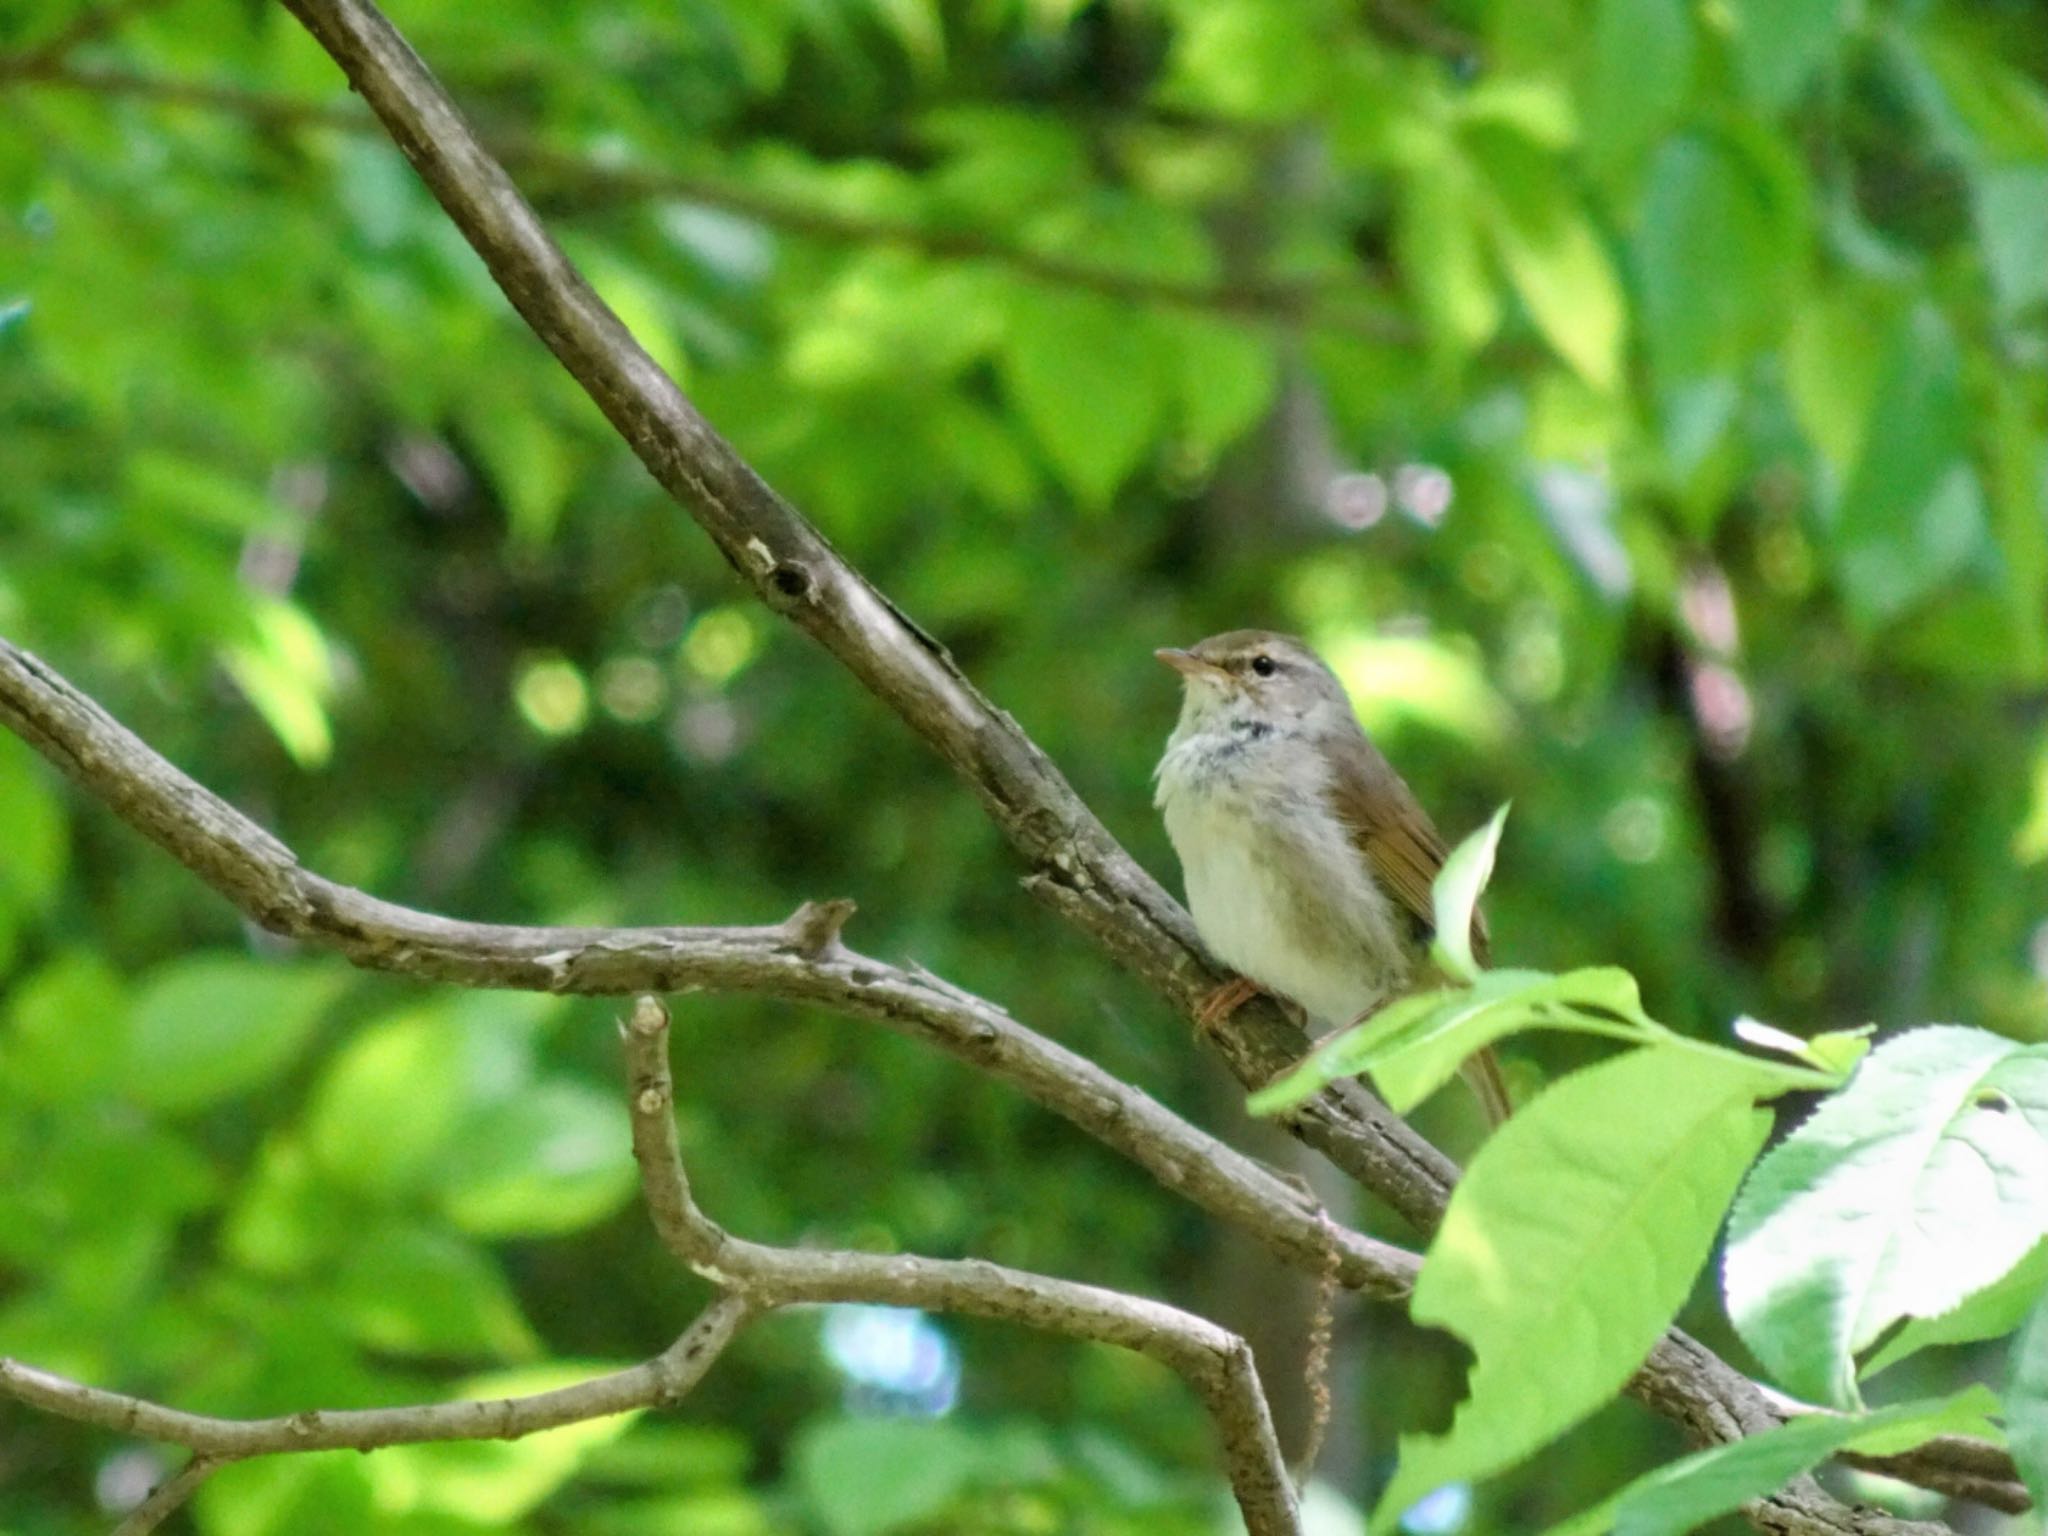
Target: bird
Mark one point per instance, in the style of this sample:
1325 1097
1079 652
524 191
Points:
1307 859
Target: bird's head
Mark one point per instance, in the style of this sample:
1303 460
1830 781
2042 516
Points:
1254 674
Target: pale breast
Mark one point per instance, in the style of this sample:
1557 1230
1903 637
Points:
1275 886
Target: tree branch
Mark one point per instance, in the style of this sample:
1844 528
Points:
664 1379
169 1496
800 960
755 1279
1215 1363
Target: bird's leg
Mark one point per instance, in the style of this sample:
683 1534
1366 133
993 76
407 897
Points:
1223 1002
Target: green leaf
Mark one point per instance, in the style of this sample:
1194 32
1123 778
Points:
1988 1314
410 1290
1687 1494
1440 242
1553 256
1640 73
2012 222
1086 375
65 1028
1780 44
552 1158
286 673
2026 1403
1227 376
1257 60
287 1218
1570 1244
1913 513
387 1104
1455 896
1411 1064
32 830
1334 1058
326 1493
1836 1051
210 1026
494 1482
1712 249
1921 1182
529 462
863 1477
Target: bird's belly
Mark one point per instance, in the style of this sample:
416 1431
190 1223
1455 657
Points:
1291 909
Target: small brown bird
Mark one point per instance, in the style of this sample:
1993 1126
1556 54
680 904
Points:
1308 861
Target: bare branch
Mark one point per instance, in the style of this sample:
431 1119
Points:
169 1496
1958 1466
664 1379
800 960
1214 1362
755 1279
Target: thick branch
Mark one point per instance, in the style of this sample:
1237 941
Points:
1215 1363
800 960
796 572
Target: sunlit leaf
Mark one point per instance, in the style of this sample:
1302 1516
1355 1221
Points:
1989 1314
1923 1181
387 1103
209 1026
1089 380
32 829
1553 256
286 672
1686 1495
1226 377
410 1290
493 1482
65 1026
1569 1245
550 1158
2026 1403
863 1477
1455 896
1441 243
1781 44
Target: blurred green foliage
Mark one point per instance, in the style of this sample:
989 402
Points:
1641 402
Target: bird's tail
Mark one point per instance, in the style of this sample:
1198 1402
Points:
1482 1074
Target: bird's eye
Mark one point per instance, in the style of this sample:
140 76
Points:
1265 666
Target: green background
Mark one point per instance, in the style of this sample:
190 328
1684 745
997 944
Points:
1082 329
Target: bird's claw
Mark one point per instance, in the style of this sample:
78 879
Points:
1223 1002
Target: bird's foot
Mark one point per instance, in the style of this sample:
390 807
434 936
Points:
1223 1002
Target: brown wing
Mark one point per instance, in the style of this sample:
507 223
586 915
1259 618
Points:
1391 829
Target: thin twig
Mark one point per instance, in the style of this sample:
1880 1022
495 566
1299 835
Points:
169 1496
1215 1363
664 1379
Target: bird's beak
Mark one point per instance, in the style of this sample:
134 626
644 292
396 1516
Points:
1191 666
